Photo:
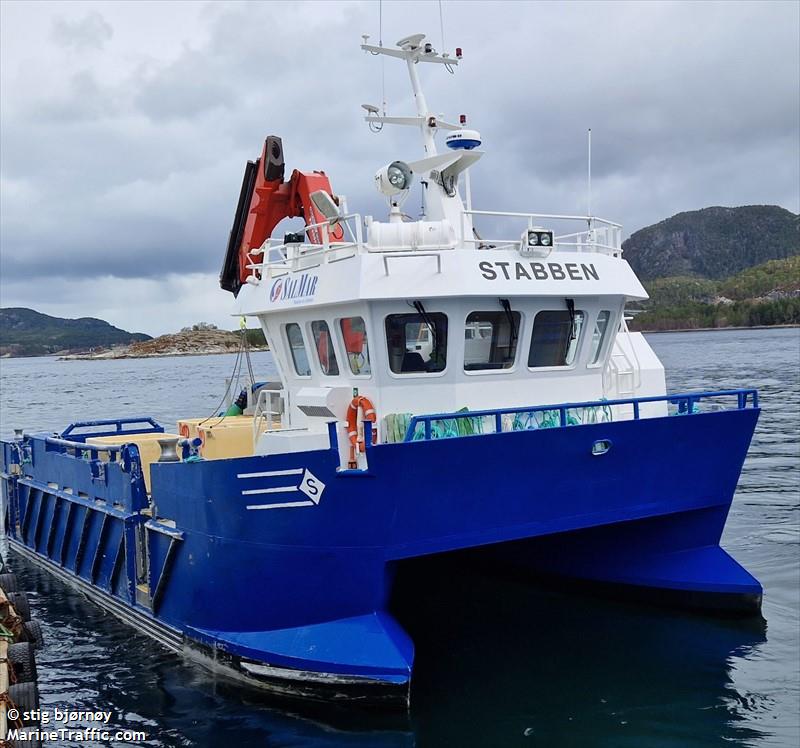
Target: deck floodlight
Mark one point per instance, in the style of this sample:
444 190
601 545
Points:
393 178
540 238
536 241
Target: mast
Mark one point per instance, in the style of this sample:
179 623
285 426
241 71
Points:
438 204
414 49
428 143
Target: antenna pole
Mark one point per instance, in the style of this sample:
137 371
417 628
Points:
422 108
589 181
413 51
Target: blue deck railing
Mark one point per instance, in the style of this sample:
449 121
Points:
422 427
152 427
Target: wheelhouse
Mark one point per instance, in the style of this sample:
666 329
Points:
460 309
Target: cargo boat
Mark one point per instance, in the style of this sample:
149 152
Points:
439 390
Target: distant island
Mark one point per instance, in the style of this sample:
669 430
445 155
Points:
26 332
199 340
718 267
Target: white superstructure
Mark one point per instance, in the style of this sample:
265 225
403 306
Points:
436 315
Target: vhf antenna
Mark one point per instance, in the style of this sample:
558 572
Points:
589 181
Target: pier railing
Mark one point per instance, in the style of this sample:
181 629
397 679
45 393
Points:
474 422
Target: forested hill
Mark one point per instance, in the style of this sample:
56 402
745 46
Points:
713 243
25 332
767 294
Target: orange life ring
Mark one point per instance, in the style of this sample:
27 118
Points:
368 414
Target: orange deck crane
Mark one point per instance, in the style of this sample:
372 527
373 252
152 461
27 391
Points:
264 201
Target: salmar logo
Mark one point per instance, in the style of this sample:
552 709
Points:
297 290
277 287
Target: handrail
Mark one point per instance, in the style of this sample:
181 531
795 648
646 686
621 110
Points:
685 402
264 412
549 216
128 452
601 235
316 249
83 446
515 244
156 428
637 366
326 225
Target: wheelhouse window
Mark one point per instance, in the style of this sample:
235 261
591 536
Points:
297 348
601 327
354 334
555 338
417 342
490 340
323 342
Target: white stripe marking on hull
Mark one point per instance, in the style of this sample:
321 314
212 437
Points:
271 473
280 489
285 505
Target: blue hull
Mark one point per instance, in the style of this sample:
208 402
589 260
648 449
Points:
293 594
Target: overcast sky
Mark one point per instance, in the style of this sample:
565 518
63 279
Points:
125 127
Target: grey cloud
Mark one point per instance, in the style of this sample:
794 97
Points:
133 247
81 100
91 31
185 89
137 175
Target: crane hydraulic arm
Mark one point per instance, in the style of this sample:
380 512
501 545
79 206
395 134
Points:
264 201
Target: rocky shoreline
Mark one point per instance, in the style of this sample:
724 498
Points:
189 343
718 329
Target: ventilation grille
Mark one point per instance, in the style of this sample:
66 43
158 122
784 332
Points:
316 411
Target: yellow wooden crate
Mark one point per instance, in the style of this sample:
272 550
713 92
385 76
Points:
228 438
188 427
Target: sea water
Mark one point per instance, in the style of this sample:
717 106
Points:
499 663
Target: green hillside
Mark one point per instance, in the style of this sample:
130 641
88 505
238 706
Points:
775 277
768 294
25 332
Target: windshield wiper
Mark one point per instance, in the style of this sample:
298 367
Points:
427 320
514 332
573 326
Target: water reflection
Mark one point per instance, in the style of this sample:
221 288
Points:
519 663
